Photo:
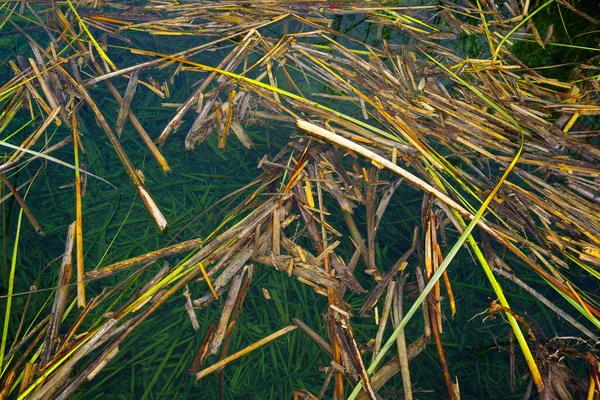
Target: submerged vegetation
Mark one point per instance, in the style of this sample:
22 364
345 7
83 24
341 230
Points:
263 199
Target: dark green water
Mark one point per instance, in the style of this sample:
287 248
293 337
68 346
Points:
153 362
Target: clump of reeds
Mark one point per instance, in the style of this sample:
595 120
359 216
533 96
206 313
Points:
487 145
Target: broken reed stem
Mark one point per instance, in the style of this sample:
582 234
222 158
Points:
336 351
320 244
355 235
220 364
62 293
44 85
202 352
318 339
391 288
155 213
382 162
440 258
147 257
401 340
390 369
433 317
358 361
32 220
160 159
435 262
223 325
189 308
248 273
126 102
475 220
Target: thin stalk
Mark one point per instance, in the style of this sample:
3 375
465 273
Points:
11 286
78 220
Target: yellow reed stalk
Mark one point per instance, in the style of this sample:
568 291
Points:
78 220
220 364
207 279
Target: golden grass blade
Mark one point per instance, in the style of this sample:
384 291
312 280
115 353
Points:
207 279
78 218
221 363
485 28
440 258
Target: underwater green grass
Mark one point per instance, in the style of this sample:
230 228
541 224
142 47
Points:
159 359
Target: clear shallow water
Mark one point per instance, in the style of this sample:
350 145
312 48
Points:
198 178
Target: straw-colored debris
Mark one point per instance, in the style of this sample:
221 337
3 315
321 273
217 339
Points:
449 126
